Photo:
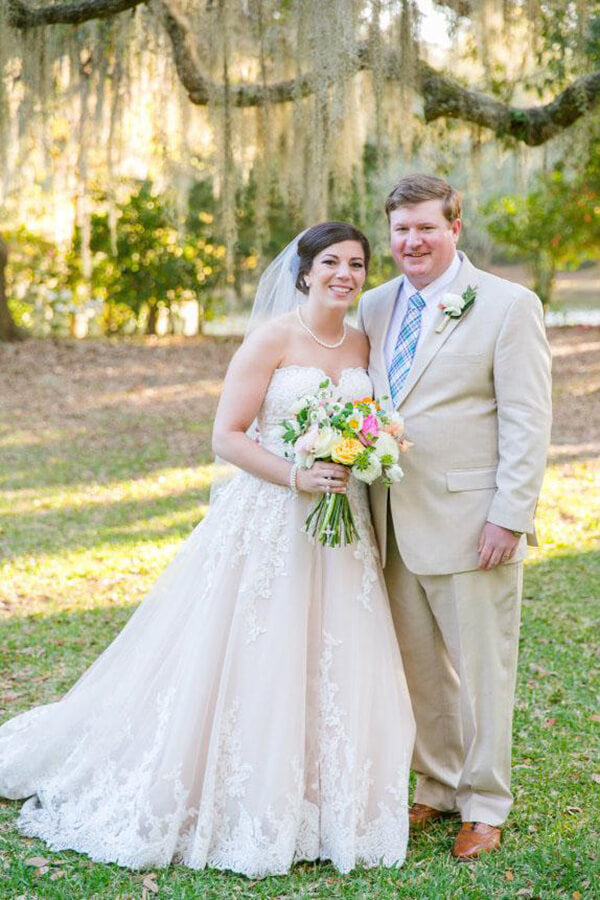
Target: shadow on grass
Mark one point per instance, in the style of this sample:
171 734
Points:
110 523
73 460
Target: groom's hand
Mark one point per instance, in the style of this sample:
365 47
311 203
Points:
496 545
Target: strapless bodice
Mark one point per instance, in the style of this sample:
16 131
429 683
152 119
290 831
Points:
289 383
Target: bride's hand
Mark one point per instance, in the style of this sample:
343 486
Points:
323 477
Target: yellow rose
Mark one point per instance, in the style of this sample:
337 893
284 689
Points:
346 450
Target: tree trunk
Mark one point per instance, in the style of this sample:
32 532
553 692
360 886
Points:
544 273
8 329
152 317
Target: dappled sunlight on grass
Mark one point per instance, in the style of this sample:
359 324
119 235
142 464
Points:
562 350
568 512
142 396
20 438
162 483
86 578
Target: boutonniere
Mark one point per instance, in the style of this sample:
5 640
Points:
455 305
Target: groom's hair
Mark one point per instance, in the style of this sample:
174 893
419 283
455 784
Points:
418 188
322 236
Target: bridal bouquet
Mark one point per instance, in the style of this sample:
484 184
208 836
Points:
356 434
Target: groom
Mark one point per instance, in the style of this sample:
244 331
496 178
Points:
464 357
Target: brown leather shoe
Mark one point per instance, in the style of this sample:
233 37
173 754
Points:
420 815
475 838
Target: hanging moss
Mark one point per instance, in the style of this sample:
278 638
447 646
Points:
83 107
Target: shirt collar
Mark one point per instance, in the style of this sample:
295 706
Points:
440 284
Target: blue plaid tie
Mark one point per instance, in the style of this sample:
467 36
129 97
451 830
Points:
406 344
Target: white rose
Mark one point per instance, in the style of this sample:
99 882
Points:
371 473
304 459
394 473
325 440
386 445
452 304
299 405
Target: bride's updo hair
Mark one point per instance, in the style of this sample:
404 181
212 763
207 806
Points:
322 236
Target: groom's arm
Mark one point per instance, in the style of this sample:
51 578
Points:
360 322
522 381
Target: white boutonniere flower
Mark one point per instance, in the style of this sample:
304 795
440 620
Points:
455 305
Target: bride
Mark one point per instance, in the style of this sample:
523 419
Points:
253 712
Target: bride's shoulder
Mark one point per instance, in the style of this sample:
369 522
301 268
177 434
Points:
360 340
273 333
267 342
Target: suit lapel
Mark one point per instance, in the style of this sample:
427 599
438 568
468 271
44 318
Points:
433 341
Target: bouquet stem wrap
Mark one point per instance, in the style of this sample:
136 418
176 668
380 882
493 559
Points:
330 522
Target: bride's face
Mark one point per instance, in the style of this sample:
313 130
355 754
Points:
337 274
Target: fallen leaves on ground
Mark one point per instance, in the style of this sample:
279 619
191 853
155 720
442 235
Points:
149 883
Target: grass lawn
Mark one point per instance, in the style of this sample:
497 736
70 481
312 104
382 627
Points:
104 469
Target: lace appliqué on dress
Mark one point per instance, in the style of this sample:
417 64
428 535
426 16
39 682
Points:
252 712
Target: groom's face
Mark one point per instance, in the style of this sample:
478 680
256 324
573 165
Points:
423 241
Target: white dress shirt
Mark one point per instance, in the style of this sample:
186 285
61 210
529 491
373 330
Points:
430 294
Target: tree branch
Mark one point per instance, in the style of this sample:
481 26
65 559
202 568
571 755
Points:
23 15
533 125
185 55
442 95
201 91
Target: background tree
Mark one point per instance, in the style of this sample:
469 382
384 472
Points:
153 265
33 277
554 226
293 90
8 328
299 109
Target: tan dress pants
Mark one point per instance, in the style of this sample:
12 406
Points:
459 635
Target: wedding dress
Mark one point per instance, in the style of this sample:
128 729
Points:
252 713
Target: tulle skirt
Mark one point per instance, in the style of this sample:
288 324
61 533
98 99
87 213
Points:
253 711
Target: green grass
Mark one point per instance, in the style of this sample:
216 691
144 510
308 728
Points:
90 514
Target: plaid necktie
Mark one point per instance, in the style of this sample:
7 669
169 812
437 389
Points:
406 344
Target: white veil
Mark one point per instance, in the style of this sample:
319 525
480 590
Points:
276 295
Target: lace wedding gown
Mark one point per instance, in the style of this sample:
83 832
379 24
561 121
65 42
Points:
253 711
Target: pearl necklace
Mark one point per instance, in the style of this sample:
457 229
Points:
327 346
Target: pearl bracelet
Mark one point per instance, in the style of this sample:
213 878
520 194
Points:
293 485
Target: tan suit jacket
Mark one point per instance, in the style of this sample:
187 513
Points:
476 405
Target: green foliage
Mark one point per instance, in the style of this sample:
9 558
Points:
36 281
155 265
565 43
555 226
148 262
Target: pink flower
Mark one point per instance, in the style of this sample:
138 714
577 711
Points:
370 426
306 443
393 428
